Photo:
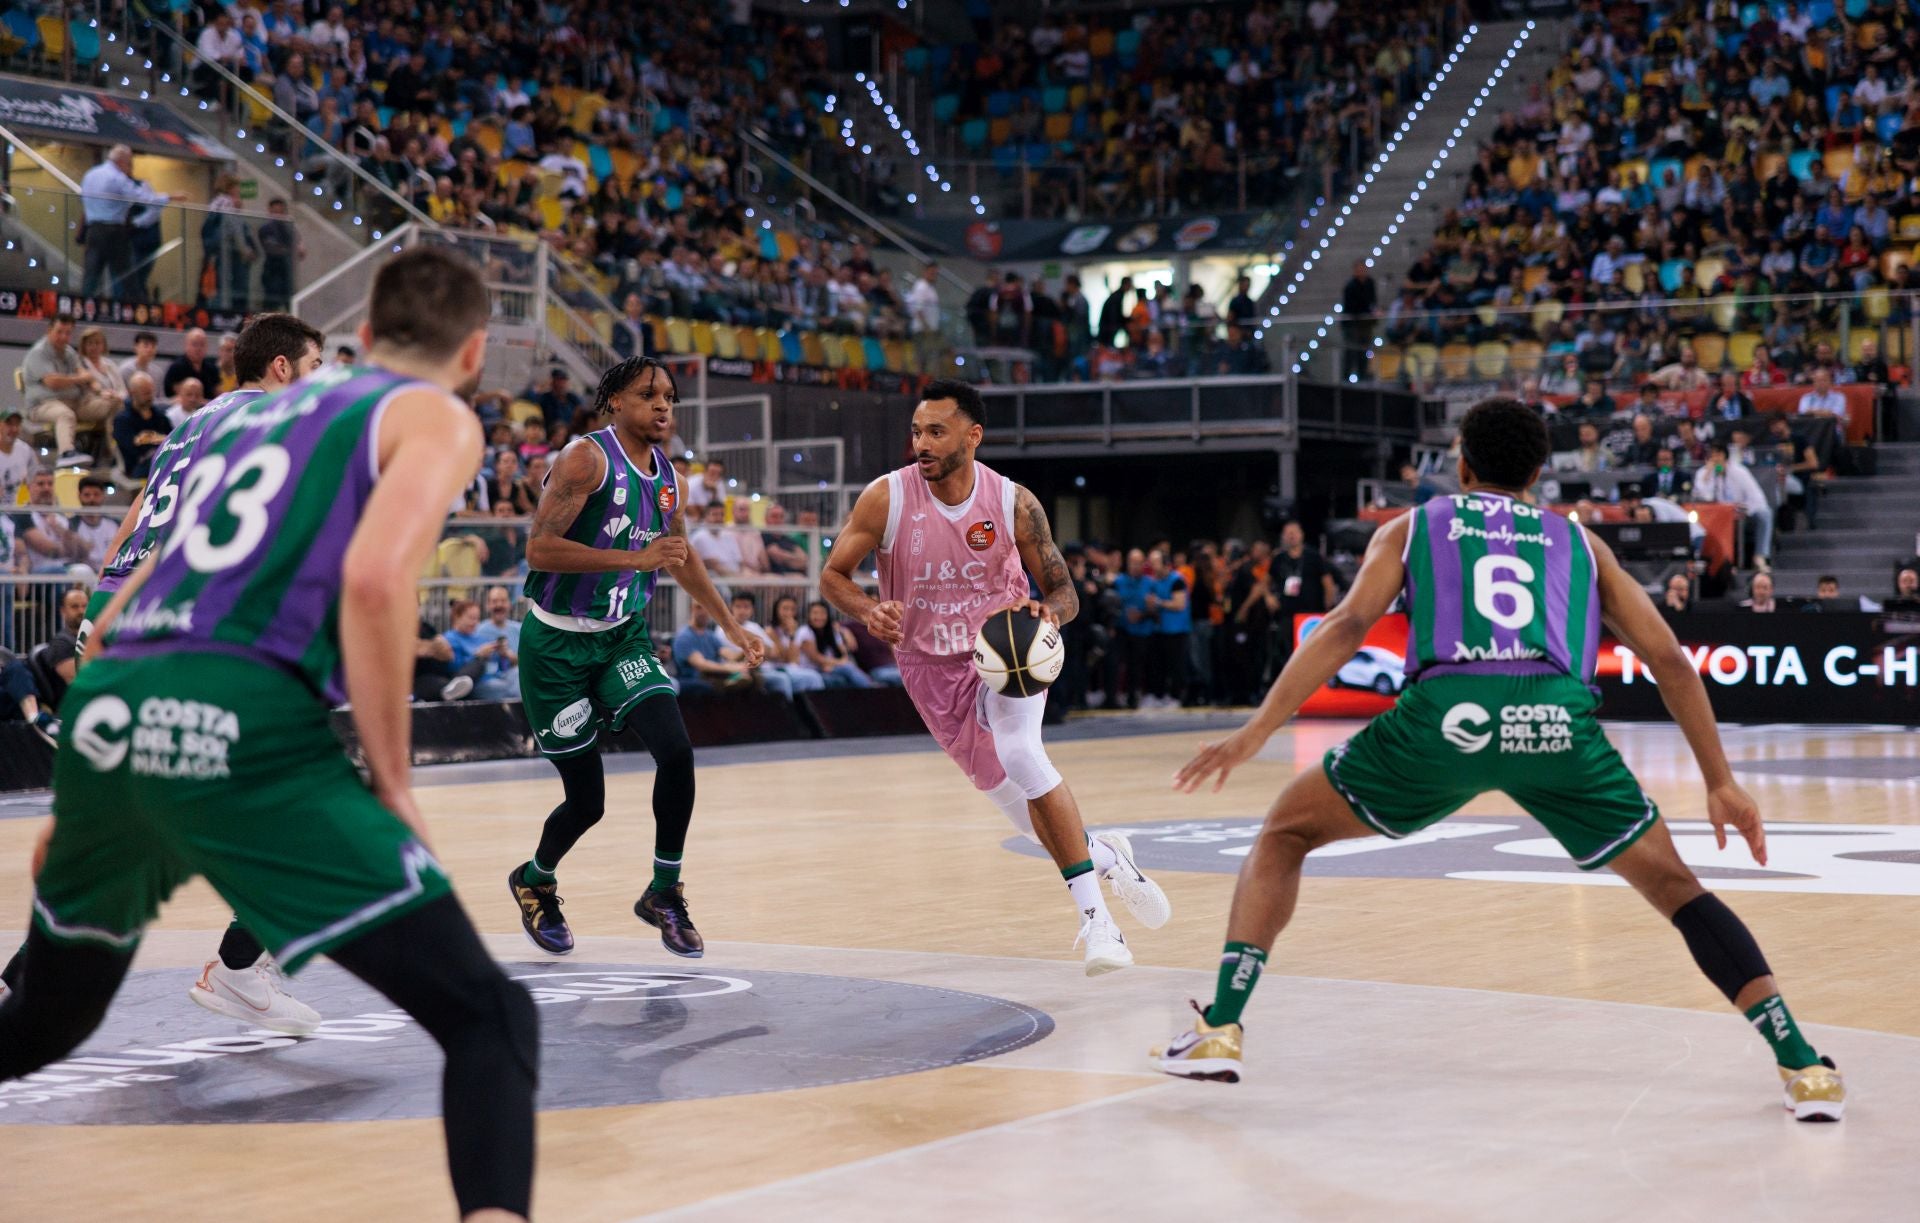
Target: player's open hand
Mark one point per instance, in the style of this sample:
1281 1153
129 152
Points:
667 552
753 649
883 621
1730 806
1219 758
1034 607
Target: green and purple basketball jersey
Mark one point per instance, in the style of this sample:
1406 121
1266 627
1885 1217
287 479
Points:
629 510
1495 586
250 562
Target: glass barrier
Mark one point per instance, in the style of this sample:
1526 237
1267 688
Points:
173 255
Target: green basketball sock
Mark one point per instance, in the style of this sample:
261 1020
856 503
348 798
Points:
1240 965
535 875
1070 873
666 871
1773 1021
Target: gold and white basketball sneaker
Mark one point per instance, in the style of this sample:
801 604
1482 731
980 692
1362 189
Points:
1130 885
1815 1093
254 995
1107 948
1209 1053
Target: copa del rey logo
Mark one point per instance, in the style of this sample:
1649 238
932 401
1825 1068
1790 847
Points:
980 535
666 499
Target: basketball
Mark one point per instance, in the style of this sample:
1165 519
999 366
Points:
1018 654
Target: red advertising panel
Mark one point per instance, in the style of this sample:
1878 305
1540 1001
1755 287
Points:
1370 681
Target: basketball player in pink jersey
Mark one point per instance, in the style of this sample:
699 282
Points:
956 541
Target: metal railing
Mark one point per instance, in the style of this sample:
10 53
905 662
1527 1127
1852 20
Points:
1545 345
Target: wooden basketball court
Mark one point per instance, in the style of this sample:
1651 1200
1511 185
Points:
1462 1028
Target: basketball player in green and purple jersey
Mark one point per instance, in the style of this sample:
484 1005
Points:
1504 604
608 523
200 742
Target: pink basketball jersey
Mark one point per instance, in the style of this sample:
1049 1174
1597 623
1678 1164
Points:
951 566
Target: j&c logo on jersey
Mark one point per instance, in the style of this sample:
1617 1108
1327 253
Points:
1465 727
96 732
980 535
568 721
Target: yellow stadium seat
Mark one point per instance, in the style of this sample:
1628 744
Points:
1000 131
1894 351
1422 360
1740 346
1892 260
1456 362
1545 316
459 558
1059 127
679 336
66 487
1724 311
1768 164
1533 277
1877 304
1910 227
1387 361
1707 271
726 341
834 351
1524 356
1076 98
1710 349
1490 359
1637 168
521 411
899 356
769 341
788 245
1633 278
811 349
53 41
703 338
1100 44
625 164
1487 314
747 341
856 352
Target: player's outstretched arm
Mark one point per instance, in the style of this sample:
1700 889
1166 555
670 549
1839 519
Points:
1032 534
1637 623
858 537
574 478
691 573
429 451
1329 647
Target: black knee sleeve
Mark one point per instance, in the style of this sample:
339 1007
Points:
62 995
660 725
1721 944
584 781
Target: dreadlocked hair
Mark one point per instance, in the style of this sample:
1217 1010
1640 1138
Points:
624 375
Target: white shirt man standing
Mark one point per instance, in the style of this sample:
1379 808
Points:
923 315
1722 479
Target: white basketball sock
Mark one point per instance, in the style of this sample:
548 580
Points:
1104 859
1085 890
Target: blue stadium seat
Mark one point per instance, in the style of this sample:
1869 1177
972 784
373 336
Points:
1887 126
876 355
599 161
915 60
942 60
1038 154
22 28
386 115
1833 99
1673 274
999 104
1750 13
1222 58
769 246
1657 171
790 351
1856 9
1820 12
85 41
1005 156
1800 163
1053 100
1126 45
946 108
973 133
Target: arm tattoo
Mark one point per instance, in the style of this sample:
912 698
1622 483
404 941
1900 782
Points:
567 490
1037 547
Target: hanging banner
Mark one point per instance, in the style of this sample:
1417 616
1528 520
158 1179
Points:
74 114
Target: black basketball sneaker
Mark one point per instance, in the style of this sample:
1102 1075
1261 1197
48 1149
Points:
540 914
666 911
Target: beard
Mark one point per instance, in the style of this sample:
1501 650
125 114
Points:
944 467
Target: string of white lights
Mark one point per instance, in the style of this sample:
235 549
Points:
1427 178
885 108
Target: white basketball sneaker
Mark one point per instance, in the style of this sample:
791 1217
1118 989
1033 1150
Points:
255 995
1107 949
1141 895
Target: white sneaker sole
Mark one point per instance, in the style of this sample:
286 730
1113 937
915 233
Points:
1817 1110
1102 964
233 1008
1141 895
1202 1069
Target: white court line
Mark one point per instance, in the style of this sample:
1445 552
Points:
807 1178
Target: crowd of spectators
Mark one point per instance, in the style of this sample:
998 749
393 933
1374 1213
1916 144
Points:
1139 331
1739 174
1187 105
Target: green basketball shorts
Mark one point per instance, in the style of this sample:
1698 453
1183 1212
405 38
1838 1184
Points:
179 765
571 682
1452 738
